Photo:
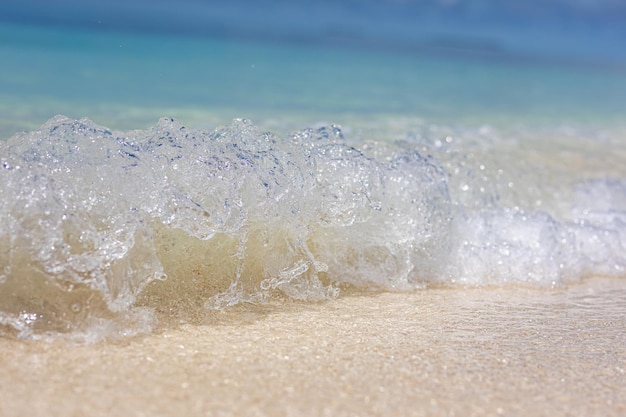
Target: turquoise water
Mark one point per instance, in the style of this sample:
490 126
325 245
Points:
197 172
130 80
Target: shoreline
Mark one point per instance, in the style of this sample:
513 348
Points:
496 351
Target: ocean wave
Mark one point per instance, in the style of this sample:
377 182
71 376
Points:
102 232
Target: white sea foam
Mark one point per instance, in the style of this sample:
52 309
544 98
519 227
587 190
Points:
100 229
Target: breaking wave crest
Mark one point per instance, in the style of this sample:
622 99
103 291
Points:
102 232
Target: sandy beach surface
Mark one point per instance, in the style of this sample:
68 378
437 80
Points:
436 352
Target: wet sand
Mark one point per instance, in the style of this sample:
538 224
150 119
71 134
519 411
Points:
443 352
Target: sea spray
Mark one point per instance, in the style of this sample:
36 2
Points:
101 230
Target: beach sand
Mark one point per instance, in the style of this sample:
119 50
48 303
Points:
437 352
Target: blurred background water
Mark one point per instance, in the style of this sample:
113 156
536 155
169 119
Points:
289 63
544 29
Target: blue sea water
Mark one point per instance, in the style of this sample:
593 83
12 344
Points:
213 153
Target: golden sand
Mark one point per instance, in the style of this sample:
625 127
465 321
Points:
444 352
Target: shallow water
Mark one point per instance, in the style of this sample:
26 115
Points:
505 351
364 168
